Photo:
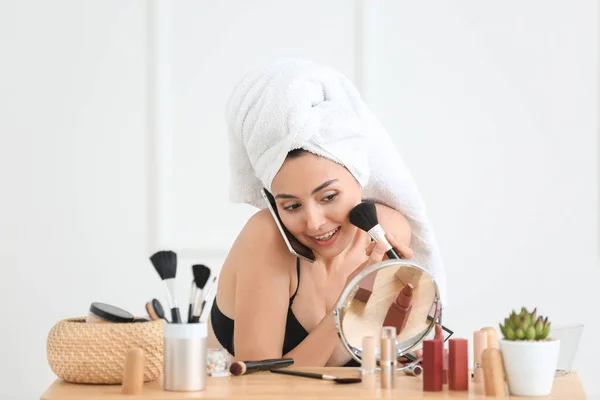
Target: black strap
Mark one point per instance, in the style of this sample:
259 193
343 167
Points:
297 287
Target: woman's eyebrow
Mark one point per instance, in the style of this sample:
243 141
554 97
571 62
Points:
317 189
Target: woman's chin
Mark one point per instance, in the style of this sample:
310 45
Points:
331 251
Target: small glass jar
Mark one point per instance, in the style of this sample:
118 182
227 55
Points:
101 313
218 361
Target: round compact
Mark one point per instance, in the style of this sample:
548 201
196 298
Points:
105 313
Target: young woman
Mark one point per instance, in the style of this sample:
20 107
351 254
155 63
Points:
269 304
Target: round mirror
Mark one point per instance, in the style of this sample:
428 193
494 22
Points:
395 293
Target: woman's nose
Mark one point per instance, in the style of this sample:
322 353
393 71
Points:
314 219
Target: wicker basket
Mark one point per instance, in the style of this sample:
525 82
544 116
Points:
79 352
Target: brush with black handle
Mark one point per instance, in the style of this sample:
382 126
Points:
201 274
364 216
165 263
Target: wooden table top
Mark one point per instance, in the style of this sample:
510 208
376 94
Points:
266 385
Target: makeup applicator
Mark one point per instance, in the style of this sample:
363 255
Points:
316 376
165 263
155 310
364 216
201 274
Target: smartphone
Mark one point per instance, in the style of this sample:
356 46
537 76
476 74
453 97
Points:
293 244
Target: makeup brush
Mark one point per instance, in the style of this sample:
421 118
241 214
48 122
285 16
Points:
316 376
201 274
364 216
246 367
155 310
209 292
165 263
193 294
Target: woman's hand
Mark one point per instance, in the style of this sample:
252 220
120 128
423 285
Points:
403 250
376 255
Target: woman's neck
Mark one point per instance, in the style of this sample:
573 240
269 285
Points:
340 262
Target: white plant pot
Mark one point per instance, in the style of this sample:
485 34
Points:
530 366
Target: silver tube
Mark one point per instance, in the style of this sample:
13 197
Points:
388 357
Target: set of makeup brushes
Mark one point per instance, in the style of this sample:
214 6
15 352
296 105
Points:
165 264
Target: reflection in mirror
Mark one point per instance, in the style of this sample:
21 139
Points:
391 293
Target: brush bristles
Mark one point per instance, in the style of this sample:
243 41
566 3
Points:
165 263
201 274
364 216
237 368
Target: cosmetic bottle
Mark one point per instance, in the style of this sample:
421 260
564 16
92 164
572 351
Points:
433 368
479 345
492 337
458 372
368 367
399 310
105 313
493 372
388 357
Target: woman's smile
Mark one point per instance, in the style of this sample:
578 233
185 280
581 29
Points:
326 239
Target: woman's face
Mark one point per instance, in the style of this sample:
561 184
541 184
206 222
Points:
314 197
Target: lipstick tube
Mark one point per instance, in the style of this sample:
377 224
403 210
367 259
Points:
388 357
399 310
365 287
433 367
458 361
479 345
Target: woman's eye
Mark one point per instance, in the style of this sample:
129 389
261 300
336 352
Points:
291 207
330 197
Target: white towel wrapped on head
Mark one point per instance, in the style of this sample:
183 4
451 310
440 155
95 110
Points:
295 103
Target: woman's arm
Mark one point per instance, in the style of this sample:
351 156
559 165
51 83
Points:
262 287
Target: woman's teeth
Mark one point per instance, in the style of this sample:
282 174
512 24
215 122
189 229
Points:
327 235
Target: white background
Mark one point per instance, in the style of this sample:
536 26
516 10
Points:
113 144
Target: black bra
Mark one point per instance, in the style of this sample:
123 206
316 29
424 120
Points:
223 326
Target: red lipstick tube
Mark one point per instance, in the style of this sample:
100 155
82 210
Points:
458 364
433 367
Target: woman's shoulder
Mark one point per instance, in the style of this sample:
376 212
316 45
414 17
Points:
262 227
260 242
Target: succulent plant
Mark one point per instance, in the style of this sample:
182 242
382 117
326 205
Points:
525 326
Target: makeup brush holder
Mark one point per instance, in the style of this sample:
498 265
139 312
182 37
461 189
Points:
185 357
81 352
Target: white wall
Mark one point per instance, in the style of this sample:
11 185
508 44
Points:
493 107
73 143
